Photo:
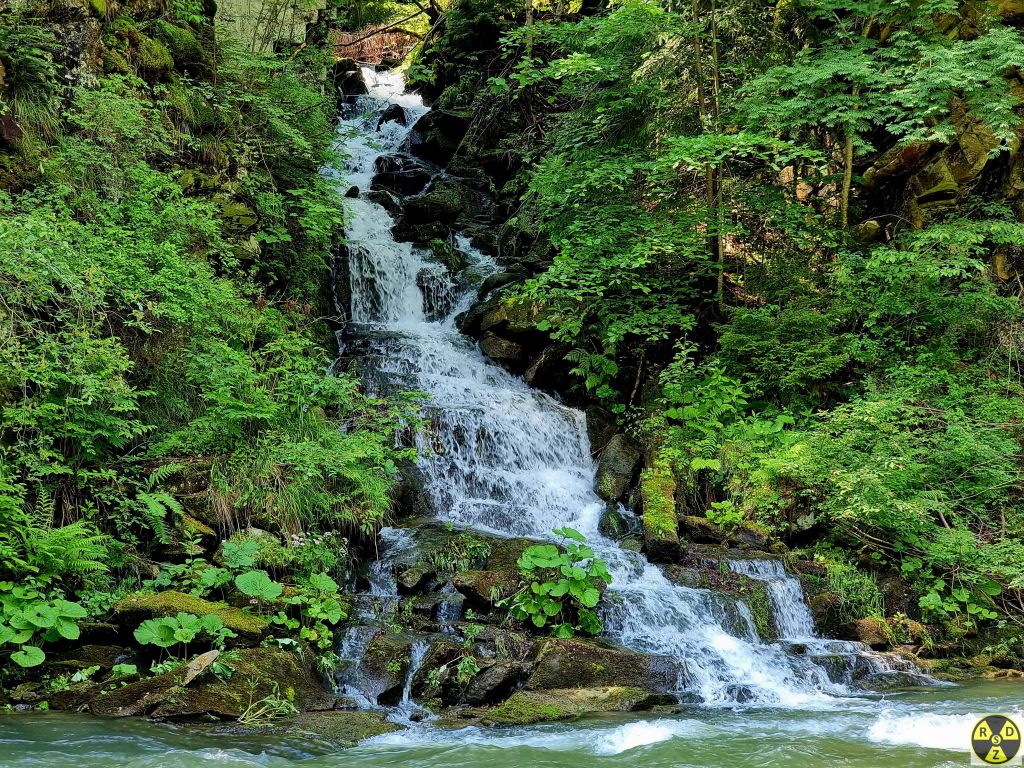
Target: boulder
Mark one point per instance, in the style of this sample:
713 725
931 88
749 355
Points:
438 135
601 427
897 162
500 280
385 664
617 467
484 585
134 609
347 77
498 348
584 663
393 114
700 530
400 175
496 682
444 202
342 728
871 631
527 707
549 368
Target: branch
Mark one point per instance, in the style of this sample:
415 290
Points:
382 29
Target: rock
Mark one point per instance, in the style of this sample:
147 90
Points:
870 631
701 530
496 682
934 185
548 368
102 656
618 522
444 202
897 162
584 663
199 665
385 664
893 680
345 729
438 135
512 317
498 348
749 536
399 174
484 586
386 200
134 609
657 499
352 191
347 77
617 467
500 280
393 114
259 673
601 427
527 707
134 699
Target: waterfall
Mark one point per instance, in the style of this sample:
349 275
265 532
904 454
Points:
499 457
792 616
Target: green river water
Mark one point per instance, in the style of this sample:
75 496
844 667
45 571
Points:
909 730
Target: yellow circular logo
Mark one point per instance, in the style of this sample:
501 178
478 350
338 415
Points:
995 739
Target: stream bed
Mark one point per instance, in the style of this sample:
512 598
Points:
918 729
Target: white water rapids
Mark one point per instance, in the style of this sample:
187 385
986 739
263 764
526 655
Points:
500 457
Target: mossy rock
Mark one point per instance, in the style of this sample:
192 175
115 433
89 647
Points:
660 525
585 663
345 729
258 673
134 609
616 467
528 707
153 62
184 46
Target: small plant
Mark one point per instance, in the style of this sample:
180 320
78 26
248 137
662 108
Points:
563 587
258 585
266 710
29 618
182 629
85 674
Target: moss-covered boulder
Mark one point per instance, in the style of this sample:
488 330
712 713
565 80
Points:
344 729
438 135
584 663
617 467
445 201
259 673
660 525
134 609
528 707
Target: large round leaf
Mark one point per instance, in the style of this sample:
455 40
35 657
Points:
258 584
28 656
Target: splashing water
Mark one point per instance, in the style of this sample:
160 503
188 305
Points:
502 458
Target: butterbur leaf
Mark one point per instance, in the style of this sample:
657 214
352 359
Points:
590 597
563 630
70 610
258 584
570 533
321 582
68 629
28 656
539 619
158 632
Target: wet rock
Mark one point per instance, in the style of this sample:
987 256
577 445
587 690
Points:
527 707
579 662
498 348
549 368
386 200
487 586
601 427
347 77
617 522
393 114
352 191
617 467
400 175
870 631
340 728
386 660
496 682
102 656
444 202
893 680
438 135
749 536
741 694
500 280
133 610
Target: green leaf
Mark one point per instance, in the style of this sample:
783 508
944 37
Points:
258 584
28 656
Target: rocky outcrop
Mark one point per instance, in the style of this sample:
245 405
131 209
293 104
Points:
583 663
438 135
529 707
617 468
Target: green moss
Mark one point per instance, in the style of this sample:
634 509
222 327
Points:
153 62
171 602
526 707
182 43
99 8
657 492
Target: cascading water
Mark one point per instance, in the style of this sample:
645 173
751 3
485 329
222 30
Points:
792 616
502 458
